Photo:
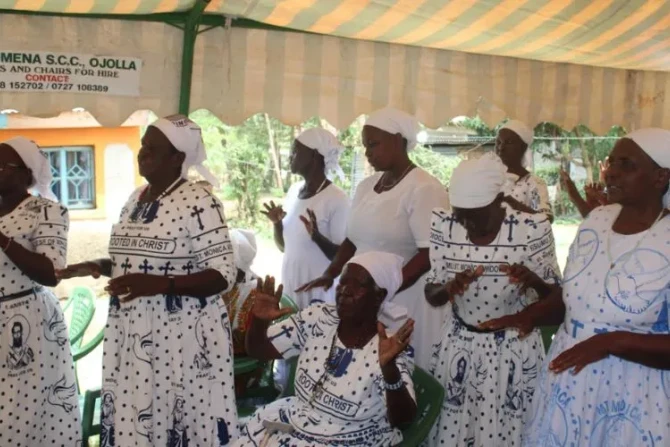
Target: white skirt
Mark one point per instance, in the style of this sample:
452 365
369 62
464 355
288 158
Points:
610 403
39 406
168 377
489 381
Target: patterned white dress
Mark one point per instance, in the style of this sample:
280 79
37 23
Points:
613 402
349 409
489 378
168 364
529 190
39 403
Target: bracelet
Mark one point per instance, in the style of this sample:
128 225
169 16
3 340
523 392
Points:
394 386
9 243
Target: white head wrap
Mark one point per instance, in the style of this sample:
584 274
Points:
384 268
394 121
656 143
37 162
186 137
328 146
524 132
475 183
244 248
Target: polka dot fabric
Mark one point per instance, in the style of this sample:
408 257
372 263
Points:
612 402
38 396
350 410
168 365
531 191
489 378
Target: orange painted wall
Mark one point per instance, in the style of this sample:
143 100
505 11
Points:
97 137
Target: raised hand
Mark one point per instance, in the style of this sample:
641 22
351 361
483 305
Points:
266 301
310 223
603 165
595 194
567 182
81 270
273 212
390 347
521 275
461 283
324 281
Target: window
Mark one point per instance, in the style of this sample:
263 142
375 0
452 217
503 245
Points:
73 176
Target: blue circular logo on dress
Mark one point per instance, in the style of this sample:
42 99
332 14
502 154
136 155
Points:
582 252
637 280
618 431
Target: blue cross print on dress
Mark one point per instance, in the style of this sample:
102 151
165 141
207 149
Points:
511 221
126 266
197 211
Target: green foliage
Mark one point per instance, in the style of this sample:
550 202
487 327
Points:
550 174
439 166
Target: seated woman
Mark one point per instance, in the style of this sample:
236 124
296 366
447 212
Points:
353 382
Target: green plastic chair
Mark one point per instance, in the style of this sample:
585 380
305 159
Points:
83 309
88 402
429 397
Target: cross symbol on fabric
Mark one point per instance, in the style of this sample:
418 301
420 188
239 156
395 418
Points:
126 266
511 221
477 287
285 331
451 219
217 206
188 267
145 267
167 268
196 213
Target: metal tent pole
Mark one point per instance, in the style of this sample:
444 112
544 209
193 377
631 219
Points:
190 34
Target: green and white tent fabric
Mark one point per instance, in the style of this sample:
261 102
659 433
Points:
597 63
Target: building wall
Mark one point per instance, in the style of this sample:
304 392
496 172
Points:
104 141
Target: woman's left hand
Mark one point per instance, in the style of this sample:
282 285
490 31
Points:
584 353
135 285
521 275
310 223
390 347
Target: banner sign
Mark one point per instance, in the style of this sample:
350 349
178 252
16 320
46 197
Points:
38 71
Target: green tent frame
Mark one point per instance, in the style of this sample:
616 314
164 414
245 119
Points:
188 21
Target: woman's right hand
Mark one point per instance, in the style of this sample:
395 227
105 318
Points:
274 212
79 271
324 281
266 301
522 322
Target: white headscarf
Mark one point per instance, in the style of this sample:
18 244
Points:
37 162
328 146
524 132
475 183
656 143
186 137
384 268
244 248
394 121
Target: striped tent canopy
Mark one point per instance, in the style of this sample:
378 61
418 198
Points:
598 63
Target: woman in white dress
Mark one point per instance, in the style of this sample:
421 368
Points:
311 225
391 212
524 191
353 384
606 380
167 367
488 261
39 405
